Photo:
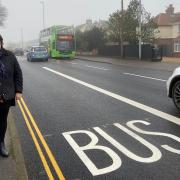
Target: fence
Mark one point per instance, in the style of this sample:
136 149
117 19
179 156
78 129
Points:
132 51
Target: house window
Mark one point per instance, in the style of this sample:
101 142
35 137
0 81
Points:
177 46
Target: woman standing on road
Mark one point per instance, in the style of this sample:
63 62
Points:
11 86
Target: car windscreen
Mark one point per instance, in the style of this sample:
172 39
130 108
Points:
39 49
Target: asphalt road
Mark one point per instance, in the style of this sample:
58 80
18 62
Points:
100 121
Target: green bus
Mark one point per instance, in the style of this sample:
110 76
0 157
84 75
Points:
59 40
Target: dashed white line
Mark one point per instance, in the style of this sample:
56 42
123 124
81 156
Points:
145 77
138 105
101 68
71 63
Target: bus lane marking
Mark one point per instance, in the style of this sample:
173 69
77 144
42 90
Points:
136 104
156 154
94 145
116 161
131 124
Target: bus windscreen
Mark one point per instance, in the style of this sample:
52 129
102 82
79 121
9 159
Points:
64 45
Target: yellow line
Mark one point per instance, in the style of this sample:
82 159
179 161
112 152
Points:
46 147
47 169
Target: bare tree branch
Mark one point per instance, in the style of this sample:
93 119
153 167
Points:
3 14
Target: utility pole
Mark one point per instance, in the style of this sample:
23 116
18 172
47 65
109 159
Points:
122 19
75 42
140 31
43 7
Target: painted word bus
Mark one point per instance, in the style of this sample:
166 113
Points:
59 40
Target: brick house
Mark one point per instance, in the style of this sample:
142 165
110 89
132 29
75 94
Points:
169 32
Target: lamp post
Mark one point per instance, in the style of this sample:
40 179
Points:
43 6
140 33
122 9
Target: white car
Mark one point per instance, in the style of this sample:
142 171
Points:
173 87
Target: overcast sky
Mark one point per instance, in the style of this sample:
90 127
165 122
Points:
27 14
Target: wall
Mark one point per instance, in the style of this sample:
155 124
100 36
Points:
176 31
165 32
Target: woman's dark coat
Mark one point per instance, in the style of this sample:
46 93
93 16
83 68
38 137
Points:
12 83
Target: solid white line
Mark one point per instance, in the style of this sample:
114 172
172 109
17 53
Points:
144 77
96 67
143 107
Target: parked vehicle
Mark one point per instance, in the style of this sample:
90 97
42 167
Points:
18 52
173 87
37 53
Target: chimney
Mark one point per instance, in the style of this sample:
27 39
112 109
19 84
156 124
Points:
170 10
89 22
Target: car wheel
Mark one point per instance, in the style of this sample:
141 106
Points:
176 94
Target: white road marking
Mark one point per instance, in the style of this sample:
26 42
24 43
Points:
176 151
143 107
71 63
131 125
145 77
156 153
93 145
101 68
48 135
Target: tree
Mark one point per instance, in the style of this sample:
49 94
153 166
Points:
81 45
89 40
3 14
131 19
128 22
132 24
148 29
95 38
116 26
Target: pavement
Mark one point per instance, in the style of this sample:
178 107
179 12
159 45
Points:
13 168
166 64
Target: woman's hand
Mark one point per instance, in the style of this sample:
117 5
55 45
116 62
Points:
18 96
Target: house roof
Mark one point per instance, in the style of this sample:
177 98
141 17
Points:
163 19
177 38
176 17
166 19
